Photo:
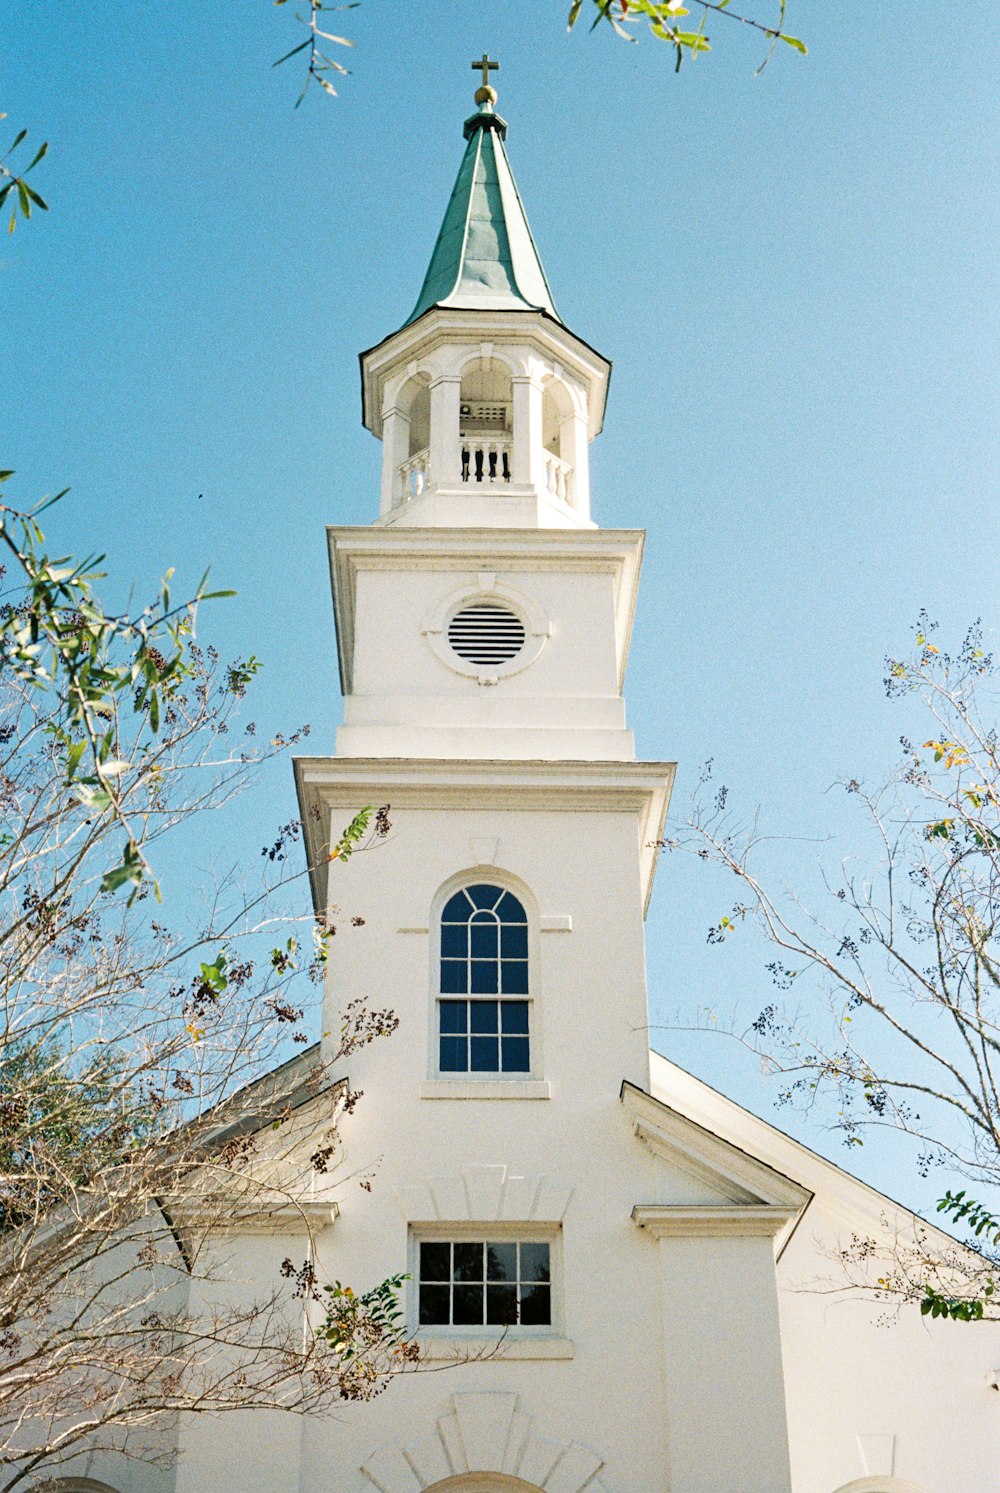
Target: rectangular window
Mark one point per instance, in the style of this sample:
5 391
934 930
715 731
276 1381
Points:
479 1283
483 1036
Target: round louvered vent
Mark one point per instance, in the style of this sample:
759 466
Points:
486 633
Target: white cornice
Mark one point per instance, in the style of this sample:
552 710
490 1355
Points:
345 784
441 325
300 1219
712 1221
499 551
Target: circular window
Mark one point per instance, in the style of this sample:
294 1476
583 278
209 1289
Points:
486 633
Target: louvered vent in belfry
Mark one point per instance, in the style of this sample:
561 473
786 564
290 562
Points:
485 633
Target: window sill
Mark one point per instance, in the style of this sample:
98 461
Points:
486 1088
488 1350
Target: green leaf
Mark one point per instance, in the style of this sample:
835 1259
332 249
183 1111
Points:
25 200
574 12
73 759
41 151
793 41
301 47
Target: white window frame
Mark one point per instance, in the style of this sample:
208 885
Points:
478 1336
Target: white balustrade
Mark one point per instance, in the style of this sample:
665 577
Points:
413 476
486 458
558 477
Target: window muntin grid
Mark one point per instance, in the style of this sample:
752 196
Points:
484 954
483 1036
476 1283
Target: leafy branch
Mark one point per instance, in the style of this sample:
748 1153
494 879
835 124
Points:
12 182
320 63
662 19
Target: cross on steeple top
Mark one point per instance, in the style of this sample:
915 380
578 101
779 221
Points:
486 66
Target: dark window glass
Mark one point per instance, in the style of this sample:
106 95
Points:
483 980
535 1262
483 1015
509 909
515 977
503 1283
480 1051
484 1054
514 1055
456 909
501 1305
484 952
454 1055
454 976
435 1305
536 1306
501 1262
435 1261
484 940
484 896
468 1306
454 941
454 1016
514 1017
468 1262
514 940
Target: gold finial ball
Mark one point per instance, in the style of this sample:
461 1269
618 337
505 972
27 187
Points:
486 95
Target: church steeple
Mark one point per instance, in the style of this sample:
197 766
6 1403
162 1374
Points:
484 400
485 257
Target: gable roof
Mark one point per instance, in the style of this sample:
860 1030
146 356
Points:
754 1197
857 1202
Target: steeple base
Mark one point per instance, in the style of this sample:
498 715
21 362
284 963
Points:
494 506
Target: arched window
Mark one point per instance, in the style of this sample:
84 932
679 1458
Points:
483 1012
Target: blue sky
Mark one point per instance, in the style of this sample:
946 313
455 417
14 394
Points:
794 275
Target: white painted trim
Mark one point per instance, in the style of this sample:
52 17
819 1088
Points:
486 1193
302 1219
880 1485
483 1432
556 923
490 1088
332 784
711 1220
537 628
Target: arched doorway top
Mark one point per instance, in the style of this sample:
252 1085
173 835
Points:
484 1443
880 1485
484 1482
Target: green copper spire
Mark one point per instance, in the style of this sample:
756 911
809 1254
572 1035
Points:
485 258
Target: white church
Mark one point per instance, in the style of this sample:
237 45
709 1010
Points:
621 1281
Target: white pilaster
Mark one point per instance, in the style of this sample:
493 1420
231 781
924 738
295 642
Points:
574 449
529 455
395 450
445 460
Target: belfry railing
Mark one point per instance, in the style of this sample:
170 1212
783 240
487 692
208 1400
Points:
558 477
413 476
486 459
